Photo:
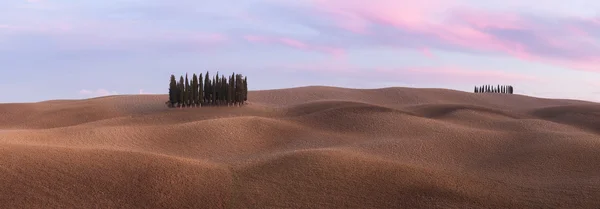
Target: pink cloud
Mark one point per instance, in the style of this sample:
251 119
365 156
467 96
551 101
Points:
445 25
426 52
297 44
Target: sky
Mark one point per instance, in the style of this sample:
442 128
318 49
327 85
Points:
65 49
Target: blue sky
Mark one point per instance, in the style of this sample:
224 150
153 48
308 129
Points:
59 49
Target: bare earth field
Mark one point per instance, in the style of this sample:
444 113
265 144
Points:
308 147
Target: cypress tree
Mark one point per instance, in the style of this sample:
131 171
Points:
181 92
245 88
214 91
208 92
220 90
229 98
239 89
232 88
192 91
196 92
186 90
200 91
177 93
217 94
172 91
224 90
206 88
220 93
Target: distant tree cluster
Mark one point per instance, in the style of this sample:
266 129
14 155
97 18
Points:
207 91
506 89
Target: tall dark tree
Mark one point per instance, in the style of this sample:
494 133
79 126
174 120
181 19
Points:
245 88
214 91
200 90
178 94
207 88
232 86
216 88
223 90
238 87
194 90
229 98
172 91
220 90
186 97
181 92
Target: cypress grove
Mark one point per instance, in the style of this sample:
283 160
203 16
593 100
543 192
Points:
204 90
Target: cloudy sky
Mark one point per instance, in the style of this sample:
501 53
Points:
65 49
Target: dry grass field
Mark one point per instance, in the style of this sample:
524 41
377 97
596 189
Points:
307 147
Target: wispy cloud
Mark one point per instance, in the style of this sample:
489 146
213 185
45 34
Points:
445 25
293 43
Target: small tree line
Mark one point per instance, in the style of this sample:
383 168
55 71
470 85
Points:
505 89
206 91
